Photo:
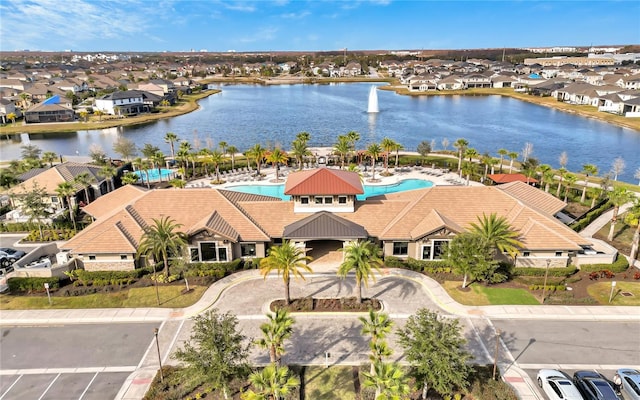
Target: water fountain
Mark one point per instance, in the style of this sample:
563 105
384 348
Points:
373 100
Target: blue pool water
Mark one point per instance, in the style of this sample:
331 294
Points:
166 174
369 190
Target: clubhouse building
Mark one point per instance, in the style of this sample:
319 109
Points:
324 213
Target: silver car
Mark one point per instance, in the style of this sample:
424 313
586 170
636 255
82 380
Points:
629 382
557 386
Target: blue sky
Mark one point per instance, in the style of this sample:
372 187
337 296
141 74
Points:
181 25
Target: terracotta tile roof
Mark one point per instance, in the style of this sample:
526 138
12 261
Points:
506 178
109 202
323 181
533 197
400 216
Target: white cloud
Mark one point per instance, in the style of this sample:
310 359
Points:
299 15
262 35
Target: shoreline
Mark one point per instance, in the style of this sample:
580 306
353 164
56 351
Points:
192 104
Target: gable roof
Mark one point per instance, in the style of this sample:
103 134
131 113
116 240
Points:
324 225
533 197
52 177
323 181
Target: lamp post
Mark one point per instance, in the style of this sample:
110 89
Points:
155 332
546 274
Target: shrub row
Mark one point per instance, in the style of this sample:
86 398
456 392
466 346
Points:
557 272
217 270
549 287
49 235
104 278
619 265
31 285
412 264
590 217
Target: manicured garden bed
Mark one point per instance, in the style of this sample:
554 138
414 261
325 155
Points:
343 304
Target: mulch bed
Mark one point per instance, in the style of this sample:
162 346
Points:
343 304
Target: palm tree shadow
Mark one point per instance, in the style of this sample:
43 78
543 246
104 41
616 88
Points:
488 336
342 283
407 288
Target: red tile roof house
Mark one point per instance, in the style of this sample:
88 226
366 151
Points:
323 212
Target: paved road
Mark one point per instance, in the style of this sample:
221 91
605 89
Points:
70 362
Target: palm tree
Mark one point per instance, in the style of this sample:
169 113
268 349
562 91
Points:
12 117
389 382
257 152
271 383
223 146
353 137
497 231
183 155
171 138
277 157
129 178
232 151
49 157
387 145
303 137
85 180
513 155
99 113
374 152
66 190
378 325
83 115
471 153
460 144
467 169
618 196
632 218
397 147
108 172
546 175
299 150
569 179
342 149
562 172
588 169
502 153
161 240
287 259
362 257
275 332
214 158
158 160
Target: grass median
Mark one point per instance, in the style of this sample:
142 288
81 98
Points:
479 295
170 297
624 293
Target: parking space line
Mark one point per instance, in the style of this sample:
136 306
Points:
10 387
49 387
88 386
84 370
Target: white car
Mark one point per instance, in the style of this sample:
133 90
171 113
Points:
557 386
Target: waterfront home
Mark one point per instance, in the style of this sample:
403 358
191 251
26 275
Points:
324 213
53 109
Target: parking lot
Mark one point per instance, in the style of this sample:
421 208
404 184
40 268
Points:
80 362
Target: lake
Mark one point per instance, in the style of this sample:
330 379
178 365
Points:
243 115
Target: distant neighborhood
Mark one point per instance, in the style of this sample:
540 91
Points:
39 89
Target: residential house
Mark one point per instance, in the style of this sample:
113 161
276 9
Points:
453 82
8 107
477 81
122 102
324 214
53 109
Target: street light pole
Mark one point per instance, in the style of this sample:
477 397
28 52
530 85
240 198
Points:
546 274
155 332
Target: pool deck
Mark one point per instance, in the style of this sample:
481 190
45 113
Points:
437 176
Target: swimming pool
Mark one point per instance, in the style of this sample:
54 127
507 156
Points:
166 174
369 190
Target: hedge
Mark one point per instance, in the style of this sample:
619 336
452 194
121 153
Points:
590 217
82 277
30 285
619 265
216 270
549 287
558 272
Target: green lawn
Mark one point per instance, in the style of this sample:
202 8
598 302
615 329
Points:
170 297
480 295
602 290
329 383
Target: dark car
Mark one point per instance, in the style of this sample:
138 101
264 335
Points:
594 386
